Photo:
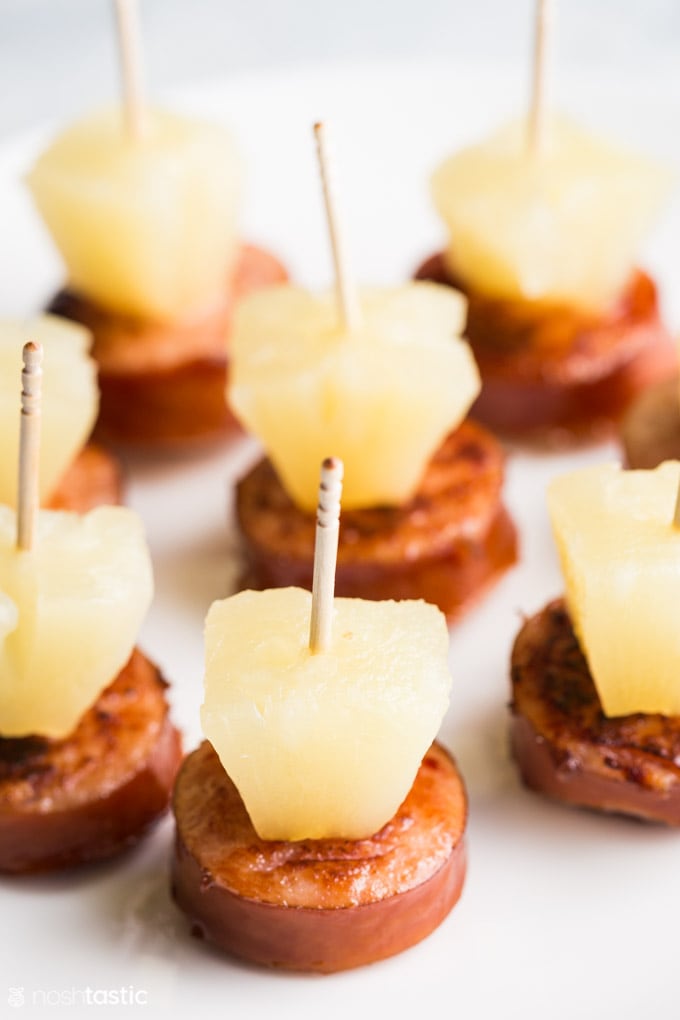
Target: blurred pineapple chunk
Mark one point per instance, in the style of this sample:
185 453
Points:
70 398
329 744
620 557
148 227
381 399
564 226
70 610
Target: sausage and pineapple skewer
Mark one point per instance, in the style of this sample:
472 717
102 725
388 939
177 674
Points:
319 828
595 691
143 206
544 222
383 377
88 753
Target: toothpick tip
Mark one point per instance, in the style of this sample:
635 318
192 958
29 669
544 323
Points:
32 352
29 444
325 553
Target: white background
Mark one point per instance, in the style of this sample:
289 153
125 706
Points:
57 55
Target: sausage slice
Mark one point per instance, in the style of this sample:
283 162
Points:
446 545
650 431
317 905
557 373
164 384
568 749
95 478
94 794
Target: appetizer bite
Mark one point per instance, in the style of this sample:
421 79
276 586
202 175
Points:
545 221
318 827
383 377
88 754
595 677
142 204
74 474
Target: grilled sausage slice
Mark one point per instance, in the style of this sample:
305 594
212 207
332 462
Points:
317 905
446 545
650 431
95 478
164 384
555 373
568 749
94 794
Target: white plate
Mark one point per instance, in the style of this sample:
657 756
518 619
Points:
564 913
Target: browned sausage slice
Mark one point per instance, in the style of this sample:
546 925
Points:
650 431
446 545
95 478
555 373
568 749
317 905
95 793
164 384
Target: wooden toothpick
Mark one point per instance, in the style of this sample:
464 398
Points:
537 99
130 54
28 497
676 514
325 553
348 301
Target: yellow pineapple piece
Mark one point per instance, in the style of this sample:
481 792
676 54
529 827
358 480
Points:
145 227
327 744
70 610
381 398
70 398
564 226
620 557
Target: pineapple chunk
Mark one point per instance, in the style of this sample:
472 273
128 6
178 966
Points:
329 744
381 399
146 227
620 557
564 226
69 404
70 609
